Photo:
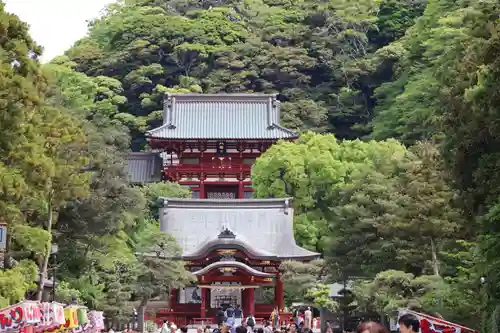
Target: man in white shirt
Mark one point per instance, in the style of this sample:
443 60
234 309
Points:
308 318
164 328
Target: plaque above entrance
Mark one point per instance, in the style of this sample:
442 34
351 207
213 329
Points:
221 286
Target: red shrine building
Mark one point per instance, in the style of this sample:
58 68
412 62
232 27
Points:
231 243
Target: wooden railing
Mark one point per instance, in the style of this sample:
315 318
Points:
209 168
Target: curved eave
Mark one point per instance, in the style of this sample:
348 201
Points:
233 244
301 258
235 264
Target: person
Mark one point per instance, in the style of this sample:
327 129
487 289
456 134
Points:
275 318
218 329
164 327
372 327
300 320
409 323
241 329
308 318
230 324
267 328
220 317
295 316
238 315
315 323
184 329
229 312
208 329
250 322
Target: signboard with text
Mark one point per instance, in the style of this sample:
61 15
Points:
3 237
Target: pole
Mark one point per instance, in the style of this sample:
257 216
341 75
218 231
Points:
54 274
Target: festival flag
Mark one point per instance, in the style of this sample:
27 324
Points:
430 324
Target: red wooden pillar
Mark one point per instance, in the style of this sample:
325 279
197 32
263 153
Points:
279 294
244 301
240 189
202 190
203 307
173 299
251 301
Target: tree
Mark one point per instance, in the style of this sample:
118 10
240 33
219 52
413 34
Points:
307 282
316 55
21 96
16 282
65 146
391 290
321 173
160 273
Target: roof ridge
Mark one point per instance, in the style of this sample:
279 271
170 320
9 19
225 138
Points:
156 129
224 95
278 126
284 203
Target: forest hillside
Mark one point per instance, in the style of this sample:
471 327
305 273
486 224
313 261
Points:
409 70
395 176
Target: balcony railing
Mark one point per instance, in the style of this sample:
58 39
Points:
209 168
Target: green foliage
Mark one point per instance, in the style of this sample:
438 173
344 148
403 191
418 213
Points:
380 208
312 53
306 282
391 290
389 69
16 282
65 294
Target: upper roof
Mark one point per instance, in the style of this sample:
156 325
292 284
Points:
264 227
221 116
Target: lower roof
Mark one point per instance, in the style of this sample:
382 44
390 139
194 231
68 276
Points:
235 264
263 226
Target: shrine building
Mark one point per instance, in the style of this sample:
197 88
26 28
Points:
231 243
234 248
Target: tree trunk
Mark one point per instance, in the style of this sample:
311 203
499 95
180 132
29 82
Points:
435 263
43 270
7 254
140 315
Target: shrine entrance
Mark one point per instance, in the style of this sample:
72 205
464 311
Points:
224 297
221 191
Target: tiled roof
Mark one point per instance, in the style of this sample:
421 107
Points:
235 264
217 242
221 116
265 224
143 168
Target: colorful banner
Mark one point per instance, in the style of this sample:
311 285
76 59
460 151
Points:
96 320
35 317
52 316
82 316
430 324
32 313
11 318
71 316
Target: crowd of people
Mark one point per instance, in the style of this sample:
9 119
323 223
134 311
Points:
231 321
